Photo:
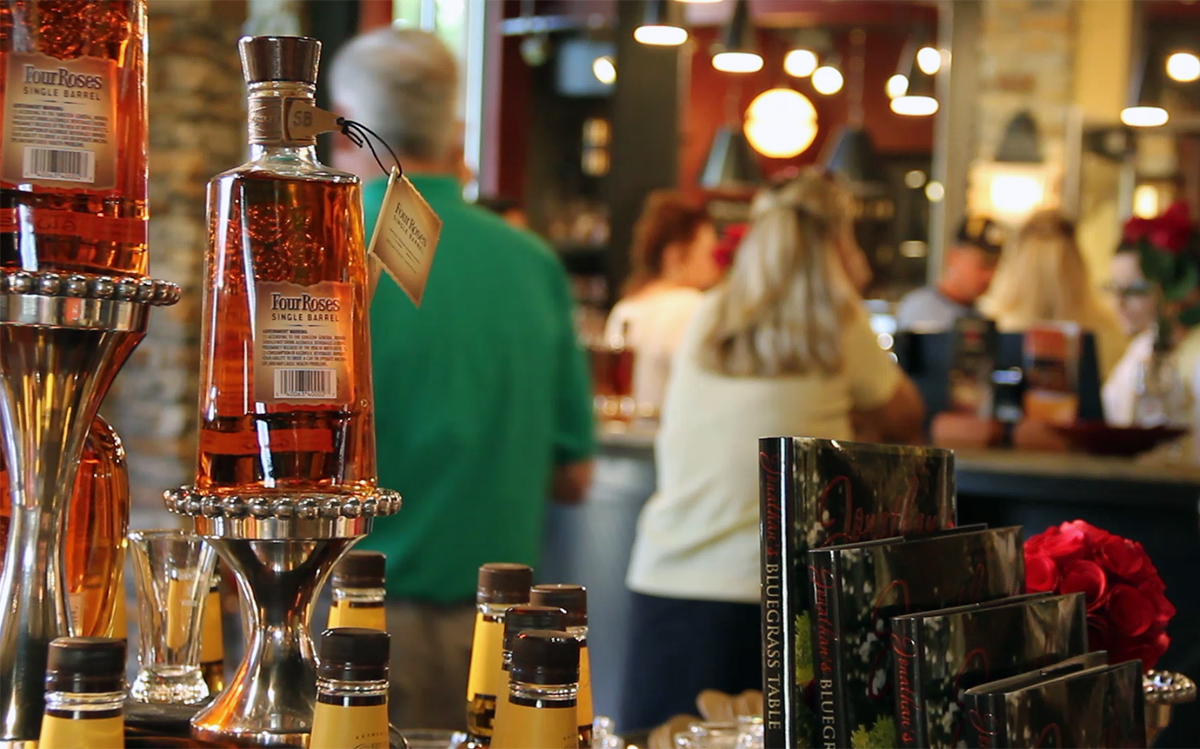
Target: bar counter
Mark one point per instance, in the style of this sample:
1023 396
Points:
1157 505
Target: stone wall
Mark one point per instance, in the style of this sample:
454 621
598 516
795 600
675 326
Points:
197 129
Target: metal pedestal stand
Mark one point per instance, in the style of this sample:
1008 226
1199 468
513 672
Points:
63 339
280 549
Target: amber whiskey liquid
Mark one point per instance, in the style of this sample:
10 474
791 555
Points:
73 138
97 522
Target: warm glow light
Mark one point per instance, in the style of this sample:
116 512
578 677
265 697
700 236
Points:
800 63
781 123
929 60
604 69
737 62
660 36
1144 116
827 80
934 191
1183 67
1145 201
915 106
914 179
1015 194
897 85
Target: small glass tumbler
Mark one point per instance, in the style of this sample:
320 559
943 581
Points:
172 569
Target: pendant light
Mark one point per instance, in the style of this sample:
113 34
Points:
828 79
731 163
851 153
1146 86
738 51
915 96
662 25
1021 143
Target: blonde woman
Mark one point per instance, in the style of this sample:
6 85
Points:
1042 277
781 347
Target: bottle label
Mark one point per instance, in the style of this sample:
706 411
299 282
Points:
75 611
533 727
355 727
350 614
302 342
406 236
212 636
82 733
59 122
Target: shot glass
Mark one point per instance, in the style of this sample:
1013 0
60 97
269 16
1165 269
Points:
172 569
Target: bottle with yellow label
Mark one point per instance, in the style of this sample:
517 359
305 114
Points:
85 694
501 585
212 639
352 690
542 693
522 619
358 591
573 600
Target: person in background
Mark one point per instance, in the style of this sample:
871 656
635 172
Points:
970 264
508 209
482 397
782 346
1041 277
673 259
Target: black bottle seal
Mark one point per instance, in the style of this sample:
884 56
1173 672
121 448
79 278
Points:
569 598
360 569
545 657
501 582
519 619
86 665
353 654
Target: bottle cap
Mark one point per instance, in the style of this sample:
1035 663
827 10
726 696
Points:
280 58
360 569
86 664
519 619
569 598
500 582
353 654
541 656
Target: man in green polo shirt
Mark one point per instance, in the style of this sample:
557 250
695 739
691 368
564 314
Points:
482 397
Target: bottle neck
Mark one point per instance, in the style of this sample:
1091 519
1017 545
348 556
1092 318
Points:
339 688
495 611
546 695
270 105
359 595
85 702
580 633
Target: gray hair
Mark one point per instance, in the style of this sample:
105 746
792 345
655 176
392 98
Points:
401 83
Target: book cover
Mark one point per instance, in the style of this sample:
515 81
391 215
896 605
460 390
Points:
817 493
1098 706
938 655
859 588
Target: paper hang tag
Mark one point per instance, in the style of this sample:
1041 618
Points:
303 120
406 236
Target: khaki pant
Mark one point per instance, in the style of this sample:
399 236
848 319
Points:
430 659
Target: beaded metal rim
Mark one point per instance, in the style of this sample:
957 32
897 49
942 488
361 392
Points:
86 286
187 501
1168 687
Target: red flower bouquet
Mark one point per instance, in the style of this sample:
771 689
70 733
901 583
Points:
1127 611
1169 249
727 245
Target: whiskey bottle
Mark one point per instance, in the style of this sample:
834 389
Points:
573 600
85 683
97 519
286 402
358 591
542 691
212 639
352 690
501 585
520 619
73 145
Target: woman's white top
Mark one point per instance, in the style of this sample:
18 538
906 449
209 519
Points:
697 537
653 324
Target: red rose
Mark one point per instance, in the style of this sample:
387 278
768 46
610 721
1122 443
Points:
1172 230
1060 544
1091 533
1136 229
1130 612
1041 573
1118 556
1152 591
1148 649
1147 571
1082 576
1098 632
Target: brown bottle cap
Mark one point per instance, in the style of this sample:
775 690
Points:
569 598
85 664
519 619
353 654
501 582
360 569
542 656
280 58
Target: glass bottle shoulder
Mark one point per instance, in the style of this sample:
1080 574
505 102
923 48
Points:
284 167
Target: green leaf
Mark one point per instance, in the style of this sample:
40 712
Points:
1184 277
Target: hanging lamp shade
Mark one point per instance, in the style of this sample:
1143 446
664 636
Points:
662 24
731 161
738 49
1144 107
917 97
851 155
1021 143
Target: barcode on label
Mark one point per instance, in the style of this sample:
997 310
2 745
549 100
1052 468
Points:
306 383
53 163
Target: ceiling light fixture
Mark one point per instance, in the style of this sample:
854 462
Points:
1145 96
781 123
897 85
738 51
916 97
662 25
800 63
929 60
827 79
604 69
1183 67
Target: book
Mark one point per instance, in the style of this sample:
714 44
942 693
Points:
938 655
1101 705
859 588
816 493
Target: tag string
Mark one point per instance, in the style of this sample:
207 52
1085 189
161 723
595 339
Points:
360 135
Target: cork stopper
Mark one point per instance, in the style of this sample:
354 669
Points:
86 665
501 582
280 58
569 598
